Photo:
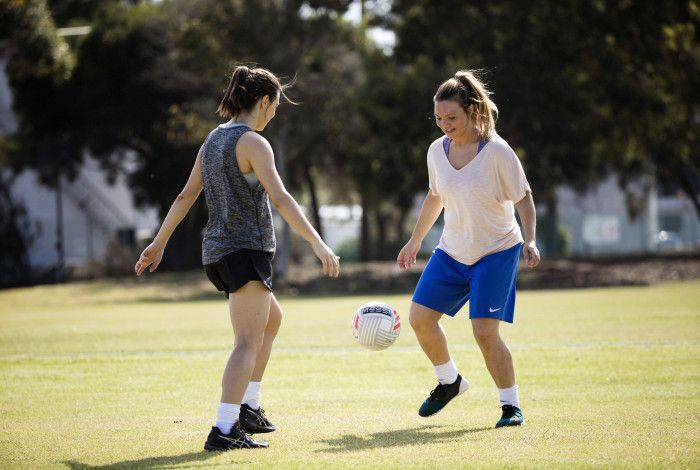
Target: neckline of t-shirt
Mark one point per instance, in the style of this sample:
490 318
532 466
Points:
230 125
446 141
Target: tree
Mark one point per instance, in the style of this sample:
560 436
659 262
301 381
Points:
146 84
389 169
131 103
66 13
527 61
313 45
652 105
39 65
15 238
583 88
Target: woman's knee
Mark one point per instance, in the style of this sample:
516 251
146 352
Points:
274 320
419 319
485 330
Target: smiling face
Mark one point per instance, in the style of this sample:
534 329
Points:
451 118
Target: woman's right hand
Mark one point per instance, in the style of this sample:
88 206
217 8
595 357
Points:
151 256
331 262
407 255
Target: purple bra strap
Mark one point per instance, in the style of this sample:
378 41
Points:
447 141
446 145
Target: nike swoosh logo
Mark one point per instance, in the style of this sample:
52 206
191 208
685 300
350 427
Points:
494 309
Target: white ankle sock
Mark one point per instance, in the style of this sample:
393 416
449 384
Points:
252 395
509 396
447 372
226 416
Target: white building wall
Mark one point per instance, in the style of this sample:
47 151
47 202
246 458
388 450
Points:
341 223
680 222
40 204
87 230
93 209
599 222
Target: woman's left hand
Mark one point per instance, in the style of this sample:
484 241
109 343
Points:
151 256
531 254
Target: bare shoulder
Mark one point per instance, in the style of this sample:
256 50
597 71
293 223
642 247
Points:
251 143
253 149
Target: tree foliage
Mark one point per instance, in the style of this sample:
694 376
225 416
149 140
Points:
583 88
652 105
40 64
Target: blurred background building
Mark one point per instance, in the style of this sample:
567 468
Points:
87 224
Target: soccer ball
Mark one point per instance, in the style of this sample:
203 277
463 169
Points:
376 325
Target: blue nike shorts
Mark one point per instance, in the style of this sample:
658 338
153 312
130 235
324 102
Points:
489 285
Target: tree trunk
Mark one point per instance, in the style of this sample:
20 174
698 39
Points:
184 250
689 190
15 237
550 239
283 244
60 245
364 230
400 225
314 199
381 234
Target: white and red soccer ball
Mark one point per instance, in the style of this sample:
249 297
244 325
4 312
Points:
376 325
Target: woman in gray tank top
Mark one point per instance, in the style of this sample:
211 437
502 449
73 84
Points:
236 168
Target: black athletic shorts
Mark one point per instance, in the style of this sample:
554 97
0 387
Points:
234 270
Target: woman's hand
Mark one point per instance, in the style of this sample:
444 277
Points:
407 255
331 262
151 256
531 254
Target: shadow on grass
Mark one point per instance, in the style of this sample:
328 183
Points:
397 438
151 462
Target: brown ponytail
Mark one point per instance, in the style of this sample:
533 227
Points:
246 87
466 89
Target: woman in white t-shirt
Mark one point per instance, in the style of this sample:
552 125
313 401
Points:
479 181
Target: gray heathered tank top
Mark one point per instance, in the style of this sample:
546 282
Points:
239 210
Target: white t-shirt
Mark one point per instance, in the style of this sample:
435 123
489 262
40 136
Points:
478 200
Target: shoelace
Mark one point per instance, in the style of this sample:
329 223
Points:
245 436
261 418
248 438
438 392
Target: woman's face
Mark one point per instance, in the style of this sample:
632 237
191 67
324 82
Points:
268 109
452 120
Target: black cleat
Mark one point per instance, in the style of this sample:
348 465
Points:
512 416
254 421
236 439
441 396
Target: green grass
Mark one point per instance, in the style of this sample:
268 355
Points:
124 375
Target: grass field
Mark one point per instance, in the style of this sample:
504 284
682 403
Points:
119 376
